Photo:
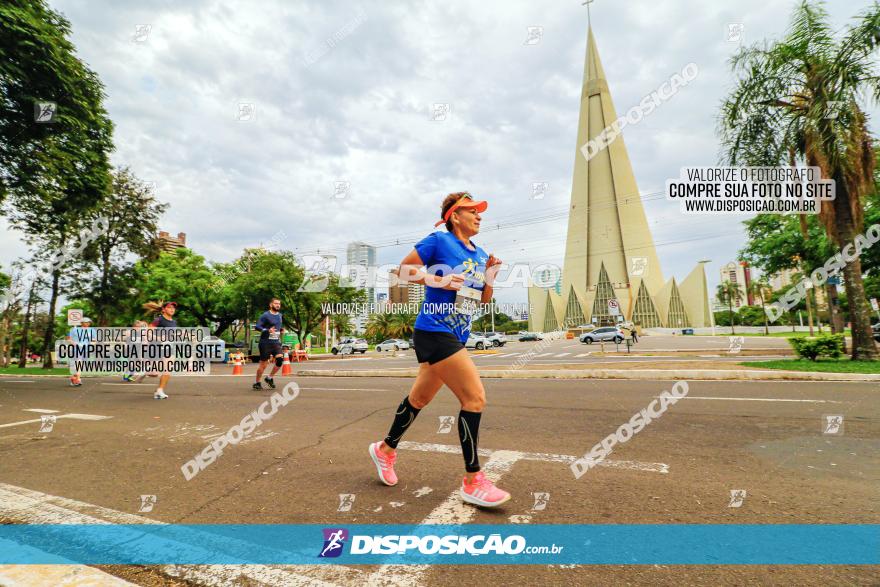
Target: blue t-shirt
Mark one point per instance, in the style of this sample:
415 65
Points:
81 335
440 252
267 321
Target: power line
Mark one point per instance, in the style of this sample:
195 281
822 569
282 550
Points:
506 223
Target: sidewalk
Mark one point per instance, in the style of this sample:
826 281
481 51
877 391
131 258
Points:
713 370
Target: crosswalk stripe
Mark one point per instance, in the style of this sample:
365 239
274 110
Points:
583 355
562 354
544 355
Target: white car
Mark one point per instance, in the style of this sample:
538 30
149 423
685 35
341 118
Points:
392 344
348 346
477 342
605 333
496 338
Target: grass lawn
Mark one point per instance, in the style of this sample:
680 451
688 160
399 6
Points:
787 334
34 371
823 365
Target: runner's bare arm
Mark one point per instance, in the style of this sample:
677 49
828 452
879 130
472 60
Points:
492 267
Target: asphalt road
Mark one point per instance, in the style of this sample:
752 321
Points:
561 351
725 436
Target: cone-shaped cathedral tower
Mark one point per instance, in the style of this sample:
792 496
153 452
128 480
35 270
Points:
609 250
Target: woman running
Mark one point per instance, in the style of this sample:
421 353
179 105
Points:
131 376
459 276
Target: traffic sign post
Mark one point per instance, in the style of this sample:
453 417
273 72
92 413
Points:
74 317
613 307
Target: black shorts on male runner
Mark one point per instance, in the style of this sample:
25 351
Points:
433 347
269 349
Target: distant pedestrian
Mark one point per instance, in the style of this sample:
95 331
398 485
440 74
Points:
80 336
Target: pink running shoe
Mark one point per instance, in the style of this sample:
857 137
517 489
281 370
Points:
384 464
482 492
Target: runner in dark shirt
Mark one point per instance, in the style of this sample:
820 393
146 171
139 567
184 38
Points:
270 327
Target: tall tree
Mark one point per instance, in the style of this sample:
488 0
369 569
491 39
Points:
267 274
132 213
11 306
54 160
67 151
759 288
29 311
803 95
729 293
184 277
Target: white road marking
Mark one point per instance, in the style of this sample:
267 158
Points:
536 456
562 354
346 388
543 355
40 411
54 575
762 399
583 355
454 511
131 384
18 381
70 416
32 507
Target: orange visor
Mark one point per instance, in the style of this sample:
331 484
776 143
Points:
466 201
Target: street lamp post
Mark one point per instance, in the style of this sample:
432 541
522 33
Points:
711 310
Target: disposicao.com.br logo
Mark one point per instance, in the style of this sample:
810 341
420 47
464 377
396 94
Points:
449 544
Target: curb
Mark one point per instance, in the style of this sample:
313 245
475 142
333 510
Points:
647 374
19 376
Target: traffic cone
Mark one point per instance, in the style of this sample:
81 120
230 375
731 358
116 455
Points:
286 369
237 367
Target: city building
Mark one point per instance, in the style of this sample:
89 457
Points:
404 293
381 302
168 243
359 253
611 270
740 273
363 255
786 278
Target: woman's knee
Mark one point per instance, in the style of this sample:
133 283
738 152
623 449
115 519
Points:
417 401
475 402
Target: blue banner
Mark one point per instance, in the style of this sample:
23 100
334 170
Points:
518 544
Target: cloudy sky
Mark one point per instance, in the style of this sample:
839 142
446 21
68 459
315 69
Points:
345 91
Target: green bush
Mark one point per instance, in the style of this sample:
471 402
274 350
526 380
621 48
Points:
824 345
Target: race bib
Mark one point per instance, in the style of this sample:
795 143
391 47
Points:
467 300
274 335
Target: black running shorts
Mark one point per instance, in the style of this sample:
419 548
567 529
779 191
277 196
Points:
269 349
433 347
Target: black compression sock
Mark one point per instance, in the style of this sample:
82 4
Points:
468 434
405 416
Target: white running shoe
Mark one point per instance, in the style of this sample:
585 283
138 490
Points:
160 395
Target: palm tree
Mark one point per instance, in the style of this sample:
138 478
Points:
402 325
380 326
758 288
729 293
804 96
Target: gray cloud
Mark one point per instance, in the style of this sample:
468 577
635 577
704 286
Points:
360 112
